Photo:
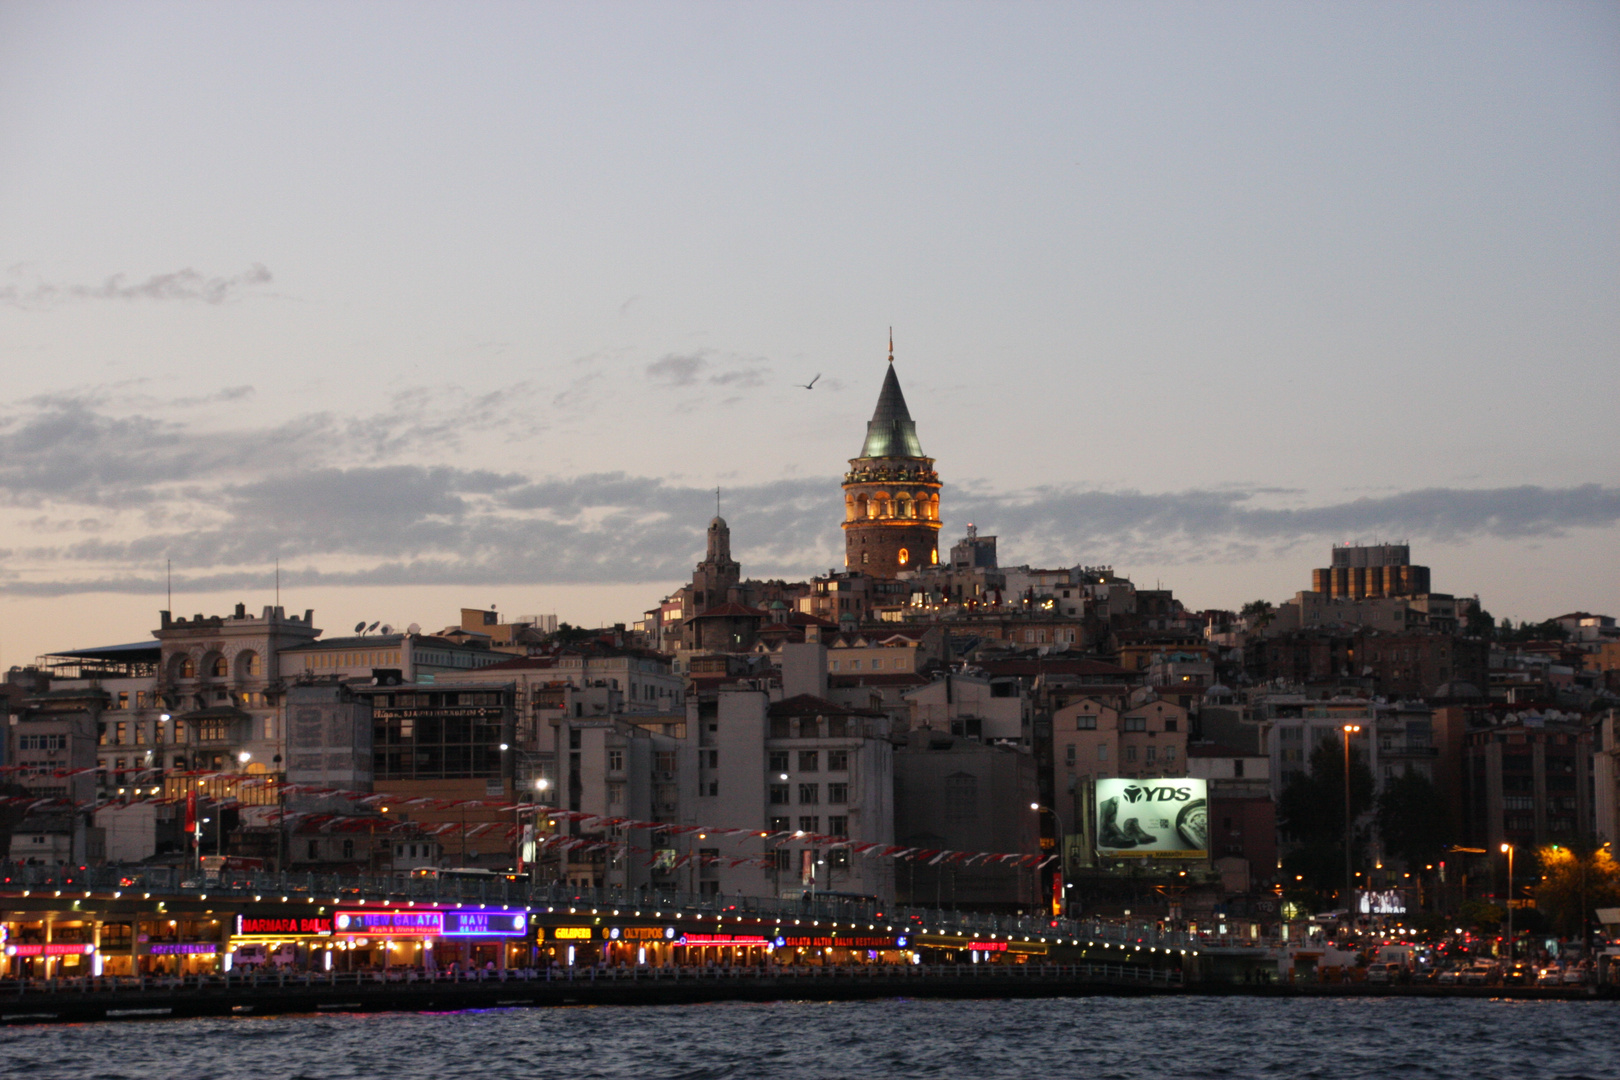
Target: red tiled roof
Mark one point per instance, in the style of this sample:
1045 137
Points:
810 705
1052 667
877 679
730 610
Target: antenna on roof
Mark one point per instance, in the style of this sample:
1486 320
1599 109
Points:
414 628
360 627
387 629
373 626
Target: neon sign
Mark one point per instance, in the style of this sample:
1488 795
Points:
485 922
389 923
53 949
722 939
639 933
184 948
278 927
798 942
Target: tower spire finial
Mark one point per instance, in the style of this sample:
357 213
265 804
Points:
891 344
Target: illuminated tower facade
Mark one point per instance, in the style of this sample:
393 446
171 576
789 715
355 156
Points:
891 492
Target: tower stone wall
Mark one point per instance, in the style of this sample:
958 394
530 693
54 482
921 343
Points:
891 493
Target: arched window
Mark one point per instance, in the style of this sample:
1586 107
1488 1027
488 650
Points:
863 508
904 508
905 556
247 665
933 556
182 667
216 666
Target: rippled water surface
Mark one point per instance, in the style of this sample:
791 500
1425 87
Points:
1092 1037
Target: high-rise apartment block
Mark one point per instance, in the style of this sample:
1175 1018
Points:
1371 570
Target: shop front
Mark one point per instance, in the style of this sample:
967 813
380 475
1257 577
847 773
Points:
570 946
183 945
723 950
639 946
385 939
49 947
430 941
484 939
840 949
280 943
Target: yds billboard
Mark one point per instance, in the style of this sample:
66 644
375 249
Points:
1152 818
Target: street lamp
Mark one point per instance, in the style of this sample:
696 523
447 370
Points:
1062 876
1507 849
540 786
1349 879
281 818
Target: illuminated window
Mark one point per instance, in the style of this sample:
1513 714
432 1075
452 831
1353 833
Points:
905 556
933 556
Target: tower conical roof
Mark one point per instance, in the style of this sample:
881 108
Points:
891 432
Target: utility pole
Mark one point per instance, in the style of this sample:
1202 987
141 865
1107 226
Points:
1349 876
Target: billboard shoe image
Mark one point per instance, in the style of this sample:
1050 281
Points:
1193 825
1108 832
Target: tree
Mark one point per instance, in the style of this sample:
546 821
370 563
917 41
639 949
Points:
1480 624
1574 881
1481 915
1311 813
1410 820
1260 611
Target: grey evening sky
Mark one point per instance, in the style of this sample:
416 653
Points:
471 304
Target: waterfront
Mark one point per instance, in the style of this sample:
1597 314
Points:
1105 1038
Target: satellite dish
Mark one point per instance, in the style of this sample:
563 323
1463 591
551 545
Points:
373 626
414 628
360 626
387 629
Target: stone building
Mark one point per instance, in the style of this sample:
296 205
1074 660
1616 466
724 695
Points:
891 493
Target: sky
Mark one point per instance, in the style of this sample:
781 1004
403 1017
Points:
446 305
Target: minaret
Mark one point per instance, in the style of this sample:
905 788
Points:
891 492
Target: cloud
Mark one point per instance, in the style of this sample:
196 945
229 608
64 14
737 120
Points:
186 284
673 370
688 369
92 501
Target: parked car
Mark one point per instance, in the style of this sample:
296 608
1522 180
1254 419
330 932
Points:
1518 973
1549 976
1383 973
1448 977
1479 973
1574 975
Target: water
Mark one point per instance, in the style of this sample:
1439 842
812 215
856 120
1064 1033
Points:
1098 1038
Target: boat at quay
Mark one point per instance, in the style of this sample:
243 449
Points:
111 942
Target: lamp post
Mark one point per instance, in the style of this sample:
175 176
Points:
1062 874
1349 877
1507 849
540 786
281 818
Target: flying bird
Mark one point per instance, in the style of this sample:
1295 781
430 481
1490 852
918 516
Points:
811 385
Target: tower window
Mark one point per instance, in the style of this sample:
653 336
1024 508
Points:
933 556
905 556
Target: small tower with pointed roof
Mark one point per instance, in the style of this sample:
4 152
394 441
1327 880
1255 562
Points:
891 492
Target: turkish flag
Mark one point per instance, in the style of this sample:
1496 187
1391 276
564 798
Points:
191 810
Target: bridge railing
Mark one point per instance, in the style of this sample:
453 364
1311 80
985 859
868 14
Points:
177 882
14 989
